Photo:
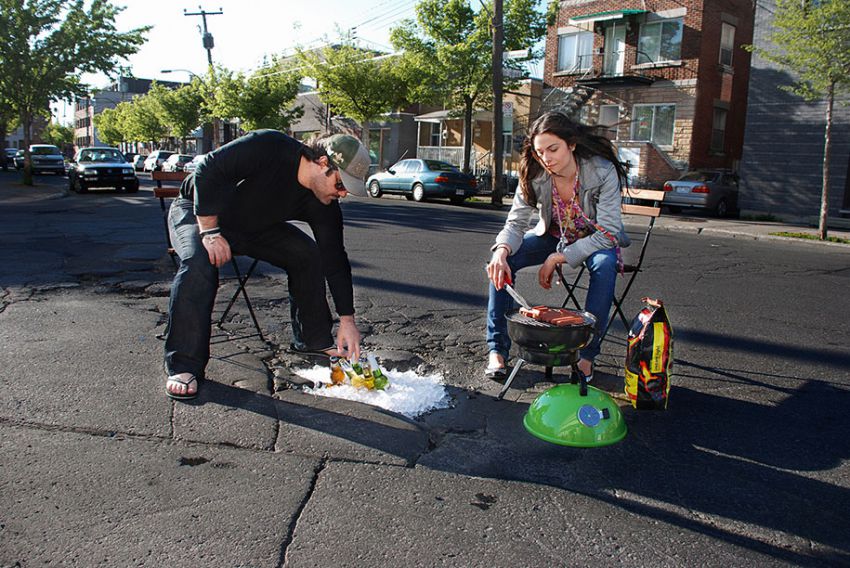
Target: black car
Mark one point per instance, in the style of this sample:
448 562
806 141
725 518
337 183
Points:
101 167
7 158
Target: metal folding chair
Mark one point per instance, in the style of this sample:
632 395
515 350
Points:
163 193
646 205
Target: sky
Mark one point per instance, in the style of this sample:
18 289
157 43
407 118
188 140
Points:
245 32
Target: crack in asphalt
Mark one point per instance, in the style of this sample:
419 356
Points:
293 525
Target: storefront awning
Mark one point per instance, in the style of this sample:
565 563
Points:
604 16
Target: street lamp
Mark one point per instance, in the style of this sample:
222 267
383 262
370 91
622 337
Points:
191 74
204 83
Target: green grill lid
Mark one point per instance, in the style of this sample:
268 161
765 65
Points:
562 416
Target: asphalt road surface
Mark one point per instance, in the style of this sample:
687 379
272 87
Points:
748 466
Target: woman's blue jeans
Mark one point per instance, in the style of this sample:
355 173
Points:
602 266
187 336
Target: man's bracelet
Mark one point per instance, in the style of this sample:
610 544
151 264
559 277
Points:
210 232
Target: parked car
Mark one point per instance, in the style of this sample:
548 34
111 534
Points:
419 179
155 160
192 166
8 158
175 162
47 158
138 162
101 167
715 191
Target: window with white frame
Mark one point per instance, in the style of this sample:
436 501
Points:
654 123
718 129
727 43
660 41
609 116
575 51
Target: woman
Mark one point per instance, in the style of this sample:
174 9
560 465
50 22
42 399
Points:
572 178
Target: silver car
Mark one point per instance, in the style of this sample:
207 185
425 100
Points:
715 191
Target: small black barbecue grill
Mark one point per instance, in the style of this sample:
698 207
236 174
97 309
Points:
572 414
548 345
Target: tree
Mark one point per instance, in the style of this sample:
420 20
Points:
141 120
812 39
110 127
179 110
447 53
57 134
355 82
46 47
267 96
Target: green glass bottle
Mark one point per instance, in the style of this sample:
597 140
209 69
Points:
381 381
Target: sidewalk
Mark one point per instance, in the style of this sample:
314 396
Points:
744 229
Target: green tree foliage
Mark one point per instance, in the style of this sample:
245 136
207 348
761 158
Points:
110 127
355 82
448 52
179 110
46 47
141 119
267 96
57 134
812 39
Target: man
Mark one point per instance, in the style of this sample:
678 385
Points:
239 200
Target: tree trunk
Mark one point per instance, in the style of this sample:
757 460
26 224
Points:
467 132
497 154
26 122
827 147
364 135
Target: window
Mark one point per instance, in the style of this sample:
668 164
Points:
609 116
660 41
727 43
654 123
718 130
435 133
575 51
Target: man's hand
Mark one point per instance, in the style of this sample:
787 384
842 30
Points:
498 270
348 338
218 248
544 275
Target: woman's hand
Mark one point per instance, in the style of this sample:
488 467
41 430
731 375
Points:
348 338
498 270
544 275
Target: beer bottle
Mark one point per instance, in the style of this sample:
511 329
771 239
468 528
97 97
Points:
337 374
368 379
380 378
355 377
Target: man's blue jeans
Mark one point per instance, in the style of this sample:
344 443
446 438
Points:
602 266
187 336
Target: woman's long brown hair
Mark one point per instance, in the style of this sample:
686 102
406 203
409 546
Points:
588 144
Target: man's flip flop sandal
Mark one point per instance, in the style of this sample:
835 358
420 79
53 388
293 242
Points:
177 396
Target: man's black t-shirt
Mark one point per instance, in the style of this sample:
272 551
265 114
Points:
251 184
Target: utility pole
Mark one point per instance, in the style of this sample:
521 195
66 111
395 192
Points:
209 43
206 36
497 143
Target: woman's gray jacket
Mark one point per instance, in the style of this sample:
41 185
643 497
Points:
599 194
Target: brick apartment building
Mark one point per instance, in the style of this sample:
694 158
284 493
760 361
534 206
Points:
667 78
